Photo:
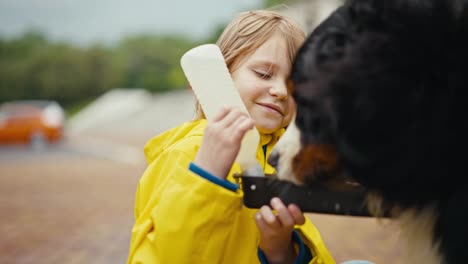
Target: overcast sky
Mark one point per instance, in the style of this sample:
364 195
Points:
88 21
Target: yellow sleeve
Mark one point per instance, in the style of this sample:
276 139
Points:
180 216
312 239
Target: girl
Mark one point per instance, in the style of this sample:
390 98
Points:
188 208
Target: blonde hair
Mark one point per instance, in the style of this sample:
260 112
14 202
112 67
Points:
249 30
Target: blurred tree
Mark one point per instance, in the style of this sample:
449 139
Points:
103 73
153 62
14 61
216 33
22 47
272 3
31 67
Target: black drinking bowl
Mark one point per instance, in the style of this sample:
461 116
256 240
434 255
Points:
258 191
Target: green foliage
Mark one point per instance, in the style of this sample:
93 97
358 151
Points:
216 33
76 106
31 67
272 3
153 62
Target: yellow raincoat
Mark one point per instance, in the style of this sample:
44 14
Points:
180 217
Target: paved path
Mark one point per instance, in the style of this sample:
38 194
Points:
65 209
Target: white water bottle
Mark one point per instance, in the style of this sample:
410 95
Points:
207 72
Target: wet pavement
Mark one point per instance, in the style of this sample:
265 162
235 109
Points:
62 207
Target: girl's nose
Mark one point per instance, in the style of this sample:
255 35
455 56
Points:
279 90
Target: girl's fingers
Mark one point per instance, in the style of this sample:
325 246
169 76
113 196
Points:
284 216
296 214
269 217
262 225
221 114
241 126
246 124
232 115
232 118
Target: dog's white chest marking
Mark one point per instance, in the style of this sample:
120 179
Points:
288 146
417 229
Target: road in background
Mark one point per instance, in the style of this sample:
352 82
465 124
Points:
64 207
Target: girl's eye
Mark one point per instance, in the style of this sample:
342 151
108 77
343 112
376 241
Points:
263 75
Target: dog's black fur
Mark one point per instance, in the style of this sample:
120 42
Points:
385 84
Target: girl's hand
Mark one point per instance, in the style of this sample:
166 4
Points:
222 141
276 230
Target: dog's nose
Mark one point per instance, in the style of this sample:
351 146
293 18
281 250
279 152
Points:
274 158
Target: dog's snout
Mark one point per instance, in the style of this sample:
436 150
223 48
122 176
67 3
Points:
273 159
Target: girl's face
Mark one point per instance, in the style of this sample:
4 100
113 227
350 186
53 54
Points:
261 81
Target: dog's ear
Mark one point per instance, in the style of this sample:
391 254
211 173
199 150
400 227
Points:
331 47
332 36
324 43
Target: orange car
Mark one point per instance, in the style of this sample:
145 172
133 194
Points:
36 122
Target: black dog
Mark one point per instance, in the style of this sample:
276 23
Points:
381 98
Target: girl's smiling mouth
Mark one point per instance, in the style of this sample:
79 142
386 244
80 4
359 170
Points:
272 108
